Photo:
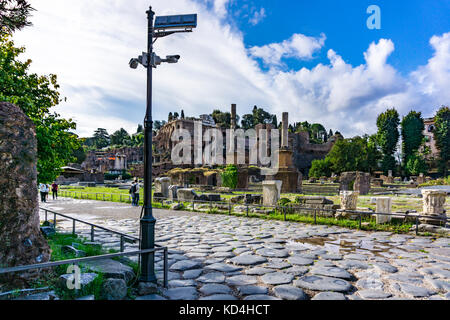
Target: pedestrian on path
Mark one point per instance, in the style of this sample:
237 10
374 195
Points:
136 193
47 190
55 190
132 192
42 188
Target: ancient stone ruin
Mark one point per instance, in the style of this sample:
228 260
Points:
21 241
349 199
384 205
356 181
271 192
162 186
433 206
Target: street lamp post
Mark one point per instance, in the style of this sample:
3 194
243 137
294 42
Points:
164 26
148 221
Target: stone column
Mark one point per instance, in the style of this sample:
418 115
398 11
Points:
284 131
233 116
384 205
271 192
433 205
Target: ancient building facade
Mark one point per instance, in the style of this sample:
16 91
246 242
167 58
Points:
303 151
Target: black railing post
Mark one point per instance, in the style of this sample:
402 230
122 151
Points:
229 207
45 215
166 268
73 227
284 212
122 244
92 233
360 220
417 226
247 211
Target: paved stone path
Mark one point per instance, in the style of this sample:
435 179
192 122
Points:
225 257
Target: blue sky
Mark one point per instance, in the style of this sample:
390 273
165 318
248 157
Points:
315 59
409 24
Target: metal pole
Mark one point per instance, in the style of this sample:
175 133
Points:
166 268
148 221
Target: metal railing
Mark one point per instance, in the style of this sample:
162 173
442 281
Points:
98 195
123 237
296 209
285 209
46 265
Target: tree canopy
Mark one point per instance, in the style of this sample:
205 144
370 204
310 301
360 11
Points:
442 136
388 136
36 95
14 15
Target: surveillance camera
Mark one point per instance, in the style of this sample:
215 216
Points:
173 59
134 63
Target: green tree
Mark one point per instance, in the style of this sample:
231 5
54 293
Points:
412 127
14 15
229 176
387 137
441 134
258 116
416 164
140 128
320 168
354 154
36 95
101 138
137 139
120 138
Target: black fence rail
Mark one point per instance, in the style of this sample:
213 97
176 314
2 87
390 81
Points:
123 237
46 265
297 209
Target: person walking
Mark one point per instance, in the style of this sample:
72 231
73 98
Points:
42 188
47 190
132 192
55 190
136 193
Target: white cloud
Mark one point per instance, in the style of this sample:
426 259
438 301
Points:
88 45
298 46
258 16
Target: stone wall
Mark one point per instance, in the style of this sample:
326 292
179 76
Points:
21 241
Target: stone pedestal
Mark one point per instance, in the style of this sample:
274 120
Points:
271 192
162 185
287 173
384 205
349 199
356 181
433 206
186 194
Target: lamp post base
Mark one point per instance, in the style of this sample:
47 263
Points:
148 242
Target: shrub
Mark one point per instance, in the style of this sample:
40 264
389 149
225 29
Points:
230 176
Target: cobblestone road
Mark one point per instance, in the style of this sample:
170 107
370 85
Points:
225 257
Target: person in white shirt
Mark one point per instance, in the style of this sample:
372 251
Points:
42 188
